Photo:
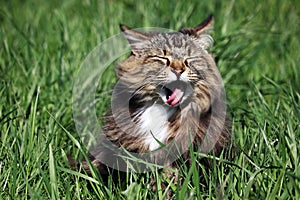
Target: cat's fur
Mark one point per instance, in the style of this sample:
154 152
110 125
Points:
162 65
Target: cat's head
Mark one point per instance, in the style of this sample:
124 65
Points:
171 67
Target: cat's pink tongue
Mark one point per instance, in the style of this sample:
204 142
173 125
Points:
175 97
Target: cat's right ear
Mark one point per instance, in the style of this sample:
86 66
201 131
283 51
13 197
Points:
136 39
202 32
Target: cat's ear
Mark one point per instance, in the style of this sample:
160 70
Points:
202 32
136 39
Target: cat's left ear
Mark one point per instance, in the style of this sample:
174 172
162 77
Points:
202 32
136 39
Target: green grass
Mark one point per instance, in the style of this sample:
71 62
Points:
43 44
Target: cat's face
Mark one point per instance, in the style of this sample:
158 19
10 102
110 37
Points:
170 67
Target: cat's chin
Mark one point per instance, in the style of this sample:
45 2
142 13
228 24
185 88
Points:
174 93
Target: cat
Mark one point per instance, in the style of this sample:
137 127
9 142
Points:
171 96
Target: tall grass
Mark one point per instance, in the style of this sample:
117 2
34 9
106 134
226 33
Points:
43 44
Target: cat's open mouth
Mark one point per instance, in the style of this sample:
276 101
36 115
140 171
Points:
173 92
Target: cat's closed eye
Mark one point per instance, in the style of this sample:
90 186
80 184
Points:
163 60
186 62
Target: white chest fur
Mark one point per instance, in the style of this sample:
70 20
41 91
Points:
154 122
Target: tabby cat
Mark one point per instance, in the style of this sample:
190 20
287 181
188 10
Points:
169 100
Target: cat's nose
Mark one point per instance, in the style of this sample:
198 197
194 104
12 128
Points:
178 71
177 67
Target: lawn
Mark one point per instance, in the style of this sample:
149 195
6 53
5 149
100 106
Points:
43 44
